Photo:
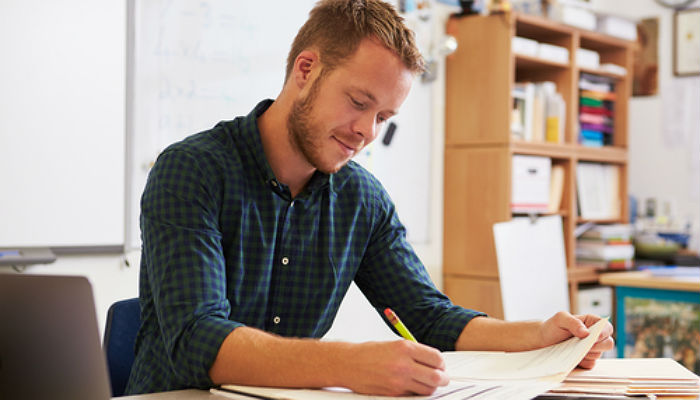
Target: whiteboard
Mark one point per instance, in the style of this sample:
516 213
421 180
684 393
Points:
62 116
197 63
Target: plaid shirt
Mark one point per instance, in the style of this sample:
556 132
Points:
225 245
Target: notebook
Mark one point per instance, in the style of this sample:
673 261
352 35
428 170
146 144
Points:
49 339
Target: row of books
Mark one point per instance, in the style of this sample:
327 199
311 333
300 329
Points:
596 110
538 112
606 247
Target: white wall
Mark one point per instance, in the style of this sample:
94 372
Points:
660 167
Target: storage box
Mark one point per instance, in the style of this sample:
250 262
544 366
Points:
554 53
524 46
574 16
596 300
587 58
617 26
530 184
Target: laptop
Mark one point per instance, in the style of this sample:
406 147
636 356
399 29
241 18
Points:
49 339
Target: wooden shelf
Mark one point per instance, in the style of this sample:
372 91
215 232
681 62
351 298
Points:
561 213
479 146
601 42
582 274
543 149
528 62
541 28
601 72
620 220
607 154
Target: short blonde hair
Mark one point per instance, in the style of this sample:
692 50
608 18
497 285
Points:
336 27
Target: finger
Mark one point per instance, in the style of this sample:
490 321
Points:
592 355
575 325
606 332
429 357
589 360
427 380
587 364
604 345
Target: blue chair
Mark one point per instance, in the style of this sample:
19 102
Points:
123 322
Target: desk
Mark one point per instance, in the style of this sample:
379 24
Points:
604 368
657 316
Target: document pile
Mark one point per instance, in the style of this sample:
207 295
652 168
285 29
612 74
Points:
660 377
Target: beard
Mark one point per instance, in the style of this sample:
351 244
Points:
305 134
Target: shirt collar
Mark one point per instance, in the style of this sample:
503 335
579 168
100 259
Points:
252 139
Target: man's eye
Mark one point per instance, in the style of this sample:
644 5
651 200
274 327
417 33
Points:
357 104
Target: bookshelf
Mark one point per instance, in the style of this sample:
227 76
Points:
479 144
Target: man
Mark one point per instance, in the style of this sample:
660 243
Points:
254 230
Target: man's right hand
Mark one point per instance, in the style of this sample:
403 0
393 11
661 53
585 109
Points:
393 368
249 356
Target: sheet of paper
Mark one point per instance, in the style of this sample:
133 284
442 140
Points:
493 390
553 361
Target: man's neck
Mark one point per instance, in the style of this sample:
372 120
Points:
288 164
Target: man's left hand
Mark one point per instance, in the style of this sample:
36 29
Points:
564 325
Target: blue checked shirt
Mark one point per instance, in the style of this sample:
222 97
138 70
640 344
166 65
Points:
225 245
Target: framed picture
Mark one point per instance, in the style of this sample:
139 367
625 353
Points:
686 42
654 323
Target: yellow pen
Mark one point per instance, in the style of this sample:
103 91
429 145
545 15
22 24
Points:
394 319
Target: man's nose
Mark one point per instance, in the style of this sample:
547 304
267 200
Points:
367 126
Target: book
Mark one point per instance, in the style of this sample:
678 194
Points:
596 110
523 95
597 190
600 250
610 233
556 188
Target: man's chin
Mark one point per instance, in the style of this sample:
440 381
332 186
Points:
332 169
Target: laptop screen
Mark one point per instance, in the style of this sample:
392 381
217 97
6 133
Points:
49 339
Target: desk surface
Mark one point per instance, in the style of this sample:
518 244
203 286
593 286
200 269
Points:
645 279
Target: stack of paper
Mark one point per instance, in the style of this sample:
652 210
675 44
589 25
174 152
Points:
606 247
633 377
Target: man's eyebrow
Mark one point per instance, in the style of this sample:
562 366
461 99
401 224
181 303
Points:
368 94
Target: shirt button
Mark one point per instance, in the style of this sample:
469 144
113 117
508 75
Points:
276 320
285 260
273 183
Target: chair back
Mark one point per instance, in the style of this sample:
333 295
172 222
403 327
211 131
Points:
123 322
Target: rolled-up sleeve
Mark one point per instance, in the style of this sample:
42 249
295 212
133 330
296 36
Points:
186 270
391 275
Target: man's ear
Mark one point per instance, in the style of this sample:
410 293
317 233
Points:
305 66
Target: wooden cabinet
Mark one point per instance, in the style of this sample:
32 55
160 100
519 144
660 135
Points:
479 145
